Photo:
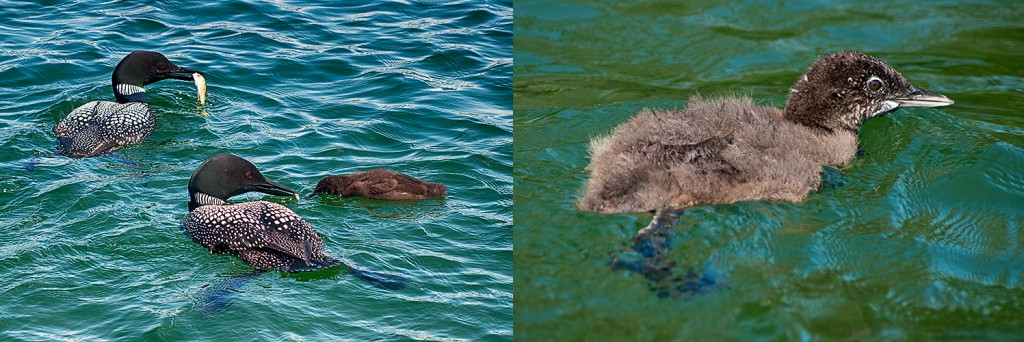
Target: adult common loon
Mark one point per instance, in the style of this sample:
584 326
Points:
100 127
264 235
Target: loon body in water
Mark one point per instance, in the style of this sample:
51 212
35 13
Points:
730 150
379 184
263 234
100 127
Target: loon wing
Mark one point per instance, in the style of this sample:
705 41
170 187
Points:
294 248
100 127
103 147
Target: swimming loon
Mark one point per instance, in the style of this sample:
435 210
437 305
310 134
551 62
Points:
100 127
379 184
263 234
730 150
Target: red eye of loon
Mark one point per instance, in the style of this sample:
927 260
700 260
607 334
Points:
248 175
160 66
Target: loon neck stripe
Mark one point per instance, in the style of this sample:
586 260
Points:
128 89
204 199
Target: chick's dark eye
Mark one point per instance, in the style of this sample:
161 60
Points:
875 84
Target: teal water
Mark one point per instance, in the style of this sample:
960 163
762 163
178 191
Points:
91 249
923 243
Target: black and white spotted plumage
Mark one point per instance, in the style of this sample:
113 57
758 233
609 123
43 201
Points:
100 127
263 234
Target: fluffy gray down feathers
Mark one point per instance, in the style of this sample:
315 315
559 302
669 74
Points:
715 151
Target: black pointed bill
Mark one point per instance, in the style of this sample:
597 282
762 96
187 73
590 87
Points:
179 73
272 188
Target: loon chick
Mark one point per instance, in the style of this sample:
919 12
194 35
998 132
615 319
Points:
263 234
100 127
379 184
730 150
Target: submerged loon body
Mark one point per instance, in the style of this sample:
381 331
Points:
380 184
264 235
730 150
100 127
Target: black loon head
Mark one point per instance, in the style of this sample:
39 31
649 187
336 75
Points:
140 68
225 175
842 90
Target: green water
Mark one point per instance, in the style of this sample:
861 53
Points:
91 249
924 242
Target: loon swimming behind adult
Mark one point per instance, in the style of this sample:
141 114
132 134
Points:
730 150
100 127
263 234
379 184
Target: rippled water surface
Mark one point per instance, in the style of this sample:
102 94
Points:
924 241
91 248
